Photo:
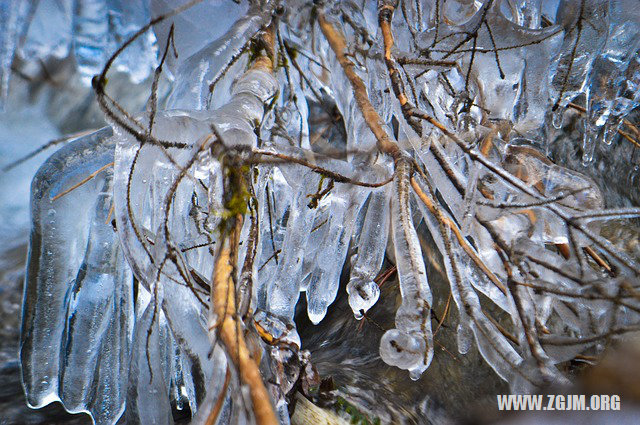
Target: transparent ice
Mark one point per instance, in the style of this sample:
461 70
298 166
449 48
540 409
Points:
116 318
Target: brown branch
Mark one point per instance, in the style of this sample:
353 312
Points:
83 181
461 240
338 178
223 290
338 45
502 329
231 331
444 315
424 62
408 109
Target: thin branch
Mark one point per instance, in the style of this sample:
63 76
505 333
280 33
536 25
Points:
83 181
371 117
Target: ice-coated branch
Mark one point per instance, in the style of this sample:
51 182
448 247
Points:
231 330
373 120
410 345
310 133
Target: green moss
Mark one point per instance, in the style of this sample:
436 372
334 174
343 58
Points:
237 201
356 417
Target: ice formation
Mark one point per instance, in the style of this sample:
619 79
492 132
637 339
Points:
127 222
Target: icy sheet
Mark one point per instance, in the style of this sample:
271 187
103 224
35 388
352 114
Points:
78 314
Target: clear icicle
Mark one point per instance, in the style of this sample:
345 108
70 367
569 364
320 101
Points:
410 345
90 36
283 292
13 15
148 393
345 205
569 77
274 216
58 244
92 299
464 337
372 244
208 65
96 323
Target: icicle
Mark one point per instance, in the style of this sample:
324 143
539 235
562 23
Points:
148 394
49 32
470 198
611 130
372 244
59 239
139 196
345 205
569 77
90 36
209 64
283 292
273 217
410 345
213 391
99 325
125 18
558 118
12 22
528 13
464 336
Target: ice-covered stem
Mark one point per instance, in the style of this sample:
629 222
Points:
266 41
231 329
336 177
385 15
488 334
386 9
428 202
571 221
246 280
410 345
372 118
223 293
526 313
413 116
363 291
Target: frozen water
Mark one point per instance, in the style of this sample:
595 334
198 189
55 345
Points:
127 222
88 287
13 16
372 243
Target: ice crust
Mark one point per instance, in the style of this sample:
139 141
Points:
115 311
